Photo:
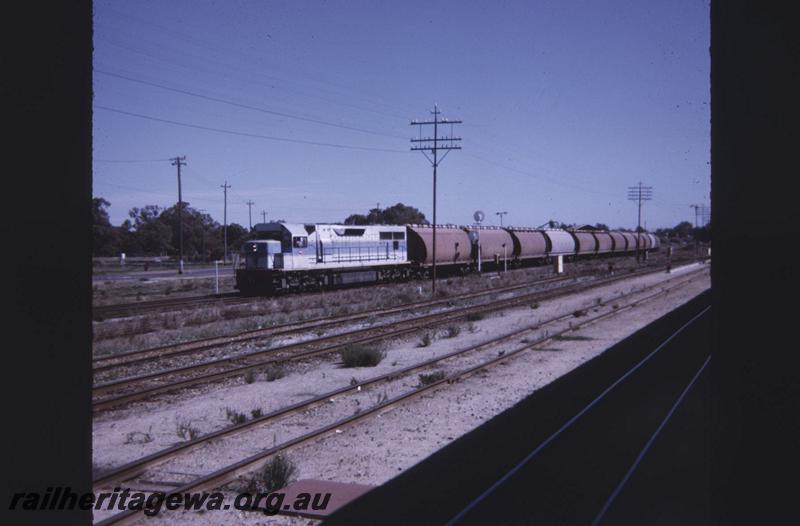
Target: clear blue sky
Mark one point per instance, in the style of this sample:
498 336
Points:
565 104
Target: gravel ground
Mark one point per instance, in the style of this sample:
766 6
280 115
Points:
153 329
385 445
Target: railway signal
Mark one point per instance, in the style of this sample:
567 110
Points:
478 216
639 193
501 214
433 145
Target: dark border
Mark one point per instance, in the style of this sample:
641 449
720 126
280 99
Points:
46 92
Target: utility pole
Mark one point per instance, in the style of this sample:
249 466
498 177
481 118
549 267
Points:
264 216
180 161
501 214
701 212
250 213
203 239
696 211
433 145
639 193
225 222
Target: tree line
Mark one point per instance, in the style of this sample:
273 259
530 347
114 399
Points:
154 231
685 231
398 214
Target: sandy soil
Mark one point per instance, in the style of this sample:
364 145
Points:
398 438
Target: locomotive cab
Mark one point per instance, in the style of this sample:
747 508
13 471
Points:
262 254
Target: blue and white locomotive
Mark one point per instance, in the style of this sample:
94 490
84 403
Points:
305 256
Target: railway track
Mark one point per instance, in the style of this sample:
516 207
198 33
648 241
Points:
104 363
114 393
117 360
229 473
120 310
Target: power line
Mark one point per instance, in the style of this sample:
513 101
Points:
433 145
130 160
247 79
246 106
244 134
552 180
247 64
639 193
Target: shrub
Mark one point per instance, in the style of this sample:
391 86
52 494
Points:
230 314
580 312
249 376
185 430
425 340
137 437
257 413
274 372
381 398
453 331
234 416
405 297
475 316
427 379
361 356
276 473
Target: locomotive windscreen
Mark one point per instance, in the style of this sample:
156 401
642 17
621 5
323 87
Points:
284 237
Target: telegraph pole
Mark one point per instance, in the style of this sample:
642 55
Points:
696 210
264 216
639 193
203 239
501 214
700 211
250 213
225 221
433 145
180 161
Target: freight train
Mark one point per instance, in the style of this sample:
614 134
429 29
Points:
296 256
